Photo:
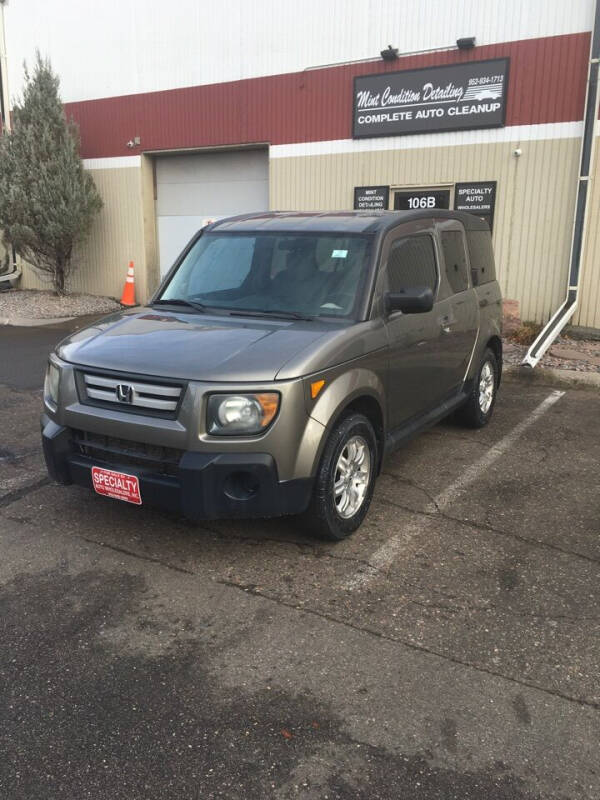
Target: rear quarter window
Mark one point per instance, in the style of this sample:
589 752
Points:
482 257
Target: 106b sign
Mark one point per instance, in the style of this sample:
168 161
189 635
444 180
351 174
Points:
411 201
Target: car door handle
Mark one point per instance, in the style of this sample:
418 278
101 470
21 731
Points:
445 324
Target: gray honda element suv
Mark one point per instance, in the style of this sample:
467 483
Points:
284 356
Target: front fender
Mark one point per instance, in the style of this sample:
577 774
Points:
339 391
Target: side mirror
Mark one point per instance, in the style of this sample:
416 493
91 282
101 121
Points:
410 301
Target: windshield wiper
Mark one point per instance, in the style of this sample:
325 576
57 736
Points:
179 301
267 312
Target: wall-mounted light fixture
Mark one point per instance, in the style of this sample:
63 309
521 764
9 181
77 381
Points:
393 54
390 53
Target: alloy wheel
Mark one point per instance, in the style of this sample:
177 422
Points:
351 477
486 387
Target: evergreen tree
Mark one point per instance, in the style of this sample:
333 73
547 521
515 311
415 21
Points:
47 199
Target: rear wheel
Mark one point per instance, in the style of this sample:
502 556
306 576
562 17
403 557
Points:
345 480
478 409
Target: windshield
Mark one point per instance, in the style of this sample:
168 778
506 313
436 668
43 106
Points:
309 274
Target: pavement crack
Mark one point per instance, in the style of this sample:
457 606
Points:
536 615
307 549
409 482
253 590
349 559
484 526
467 607
124 551
17 494
435 606
9 457
448 434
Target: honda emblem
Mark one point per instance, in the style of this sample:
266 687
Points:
124 393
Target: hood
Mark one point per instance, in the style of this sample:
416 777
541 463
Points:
186 346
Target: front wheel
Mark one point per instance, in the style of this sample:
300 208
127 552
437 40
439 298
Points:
345 480
478 409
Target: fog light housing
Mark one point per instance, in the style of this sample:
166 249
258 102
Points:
241 485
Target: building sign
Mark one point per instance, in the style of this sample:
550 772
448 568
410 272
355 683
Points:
446 98
371 198
477 198
422 198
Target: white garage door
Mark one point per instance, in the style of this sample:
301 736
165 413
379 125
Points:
195 187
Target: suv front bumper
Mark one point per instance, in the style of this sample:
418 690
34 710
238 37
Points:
203 486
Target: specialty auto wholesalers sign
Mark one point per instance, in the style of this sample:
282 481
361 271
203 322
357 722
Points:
447 98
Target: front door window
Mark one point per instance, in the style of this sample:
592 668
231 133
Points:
411 264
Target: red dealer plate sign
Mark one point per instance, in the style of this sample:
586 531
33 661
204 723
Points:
119 485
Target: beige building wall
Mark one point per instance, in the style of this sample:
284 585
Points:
534 203
588 311
123 231
532 226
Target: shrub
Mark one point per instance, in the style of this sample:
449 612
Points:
47 200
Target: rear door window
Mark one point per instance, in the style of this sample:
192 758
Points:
455 258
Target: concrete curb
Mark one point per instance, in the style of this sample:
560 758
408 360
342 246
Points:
566 378
32 322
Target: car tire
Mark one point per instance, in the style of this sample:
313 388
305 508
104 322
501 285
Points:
478 409
340 501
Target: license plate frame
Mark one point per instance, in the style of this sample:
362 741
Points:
117 485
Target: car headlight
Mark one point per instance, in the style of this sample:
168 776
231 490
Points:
231 414
51 383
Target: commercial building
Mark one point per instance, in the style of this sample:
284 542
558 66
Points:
193 110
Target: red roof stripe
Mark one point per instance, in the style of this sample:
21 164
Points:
546 84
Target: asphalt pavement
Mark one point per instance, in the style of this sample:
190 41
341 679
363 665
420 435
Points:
447 650
24 351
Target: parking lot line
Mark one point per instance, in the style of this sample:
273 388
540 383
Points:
475 470
385 555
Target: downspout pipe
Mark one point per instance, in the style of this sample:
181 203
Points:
5 110
4 103
558 321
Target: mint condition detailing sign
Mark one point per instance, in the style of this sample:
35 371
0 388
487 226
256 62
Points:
448 98
371 198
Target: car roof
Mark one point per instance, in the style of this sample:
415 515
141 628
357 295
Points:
337 221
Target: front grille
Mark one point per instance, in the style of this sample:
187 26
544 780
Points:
112 450
131 394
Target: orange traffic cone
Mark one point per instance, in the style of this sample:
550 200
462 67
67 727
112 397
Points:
128 296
